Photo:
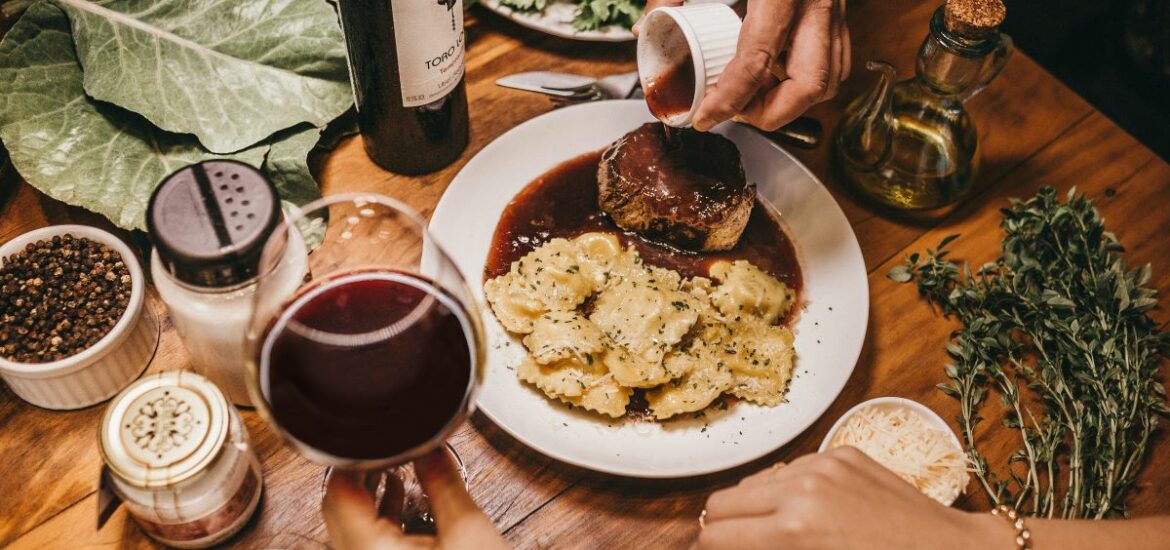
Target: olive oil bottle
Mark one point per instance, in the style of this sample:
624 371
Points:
912 145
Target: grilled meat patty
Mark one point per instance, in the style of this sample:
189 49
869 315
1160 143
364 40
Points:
687 189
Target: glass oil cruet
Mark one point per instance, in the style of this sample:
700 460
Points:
911 144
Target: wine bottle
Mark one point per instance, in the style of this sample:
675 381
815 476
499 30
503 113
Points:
406 60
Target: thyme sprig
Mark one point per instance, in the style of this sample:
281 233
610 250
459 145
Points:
1060 329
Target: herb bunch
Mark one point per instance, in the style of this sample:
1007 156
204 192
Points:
1060 329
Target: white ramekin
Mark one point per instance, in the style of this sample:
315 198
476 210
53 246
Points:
105 368
707 32
886 403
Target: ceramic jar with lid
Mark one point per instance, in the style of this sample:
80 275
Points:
179 457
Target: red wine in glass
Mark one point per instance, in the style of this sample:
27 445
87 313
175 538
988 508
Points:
369 366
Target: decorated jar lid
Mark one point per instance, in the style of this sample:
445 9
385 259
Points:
164 429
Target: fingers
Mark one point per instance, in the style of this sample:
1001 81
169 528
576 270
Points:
868 468
763 476
738 534
741 501
765 491
456 515
651 6
393 499
763 36
350 517
810 66
846 44
836 51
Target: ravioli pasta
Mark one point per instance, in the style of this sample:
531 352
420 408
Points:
598 323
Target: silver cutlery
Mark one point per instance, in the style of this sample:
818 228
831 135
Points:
569 89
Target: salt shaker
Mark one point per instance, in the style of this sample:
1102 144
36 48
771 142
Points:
179 458
209 223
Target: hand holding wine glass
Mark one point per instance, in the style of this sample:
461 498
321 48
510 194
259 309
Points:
374 362
354 523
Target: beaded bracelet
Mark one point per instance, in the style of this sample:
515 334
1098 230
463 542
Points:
1023 535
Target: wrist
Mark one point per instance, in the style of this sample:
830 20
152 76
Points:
983 531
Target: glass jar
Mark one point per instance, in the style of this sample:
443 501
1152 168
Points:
208 222
912 145
211 321
179 457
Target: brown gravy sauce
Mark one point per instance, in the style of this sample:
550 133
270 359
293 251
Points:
563 203
673 91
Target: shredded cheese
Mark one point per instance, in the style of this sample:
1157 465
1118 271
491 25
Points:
900 439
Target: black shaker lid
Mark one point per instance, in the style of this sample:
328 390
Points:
209 222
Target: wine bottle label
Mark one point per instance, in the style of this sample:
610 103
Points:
429 36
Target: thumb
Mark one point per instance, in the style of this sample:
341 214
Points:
457 517
651 6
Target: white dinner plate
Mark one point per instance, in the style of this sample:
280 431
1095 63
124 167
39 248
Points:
557 19
830 328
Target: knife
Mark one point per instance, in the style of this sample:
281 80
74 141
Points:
804 132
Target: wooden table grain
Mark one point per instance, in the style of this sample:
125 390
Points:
1033 131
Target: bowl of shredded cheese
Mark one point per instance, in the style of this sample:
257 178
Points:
909 439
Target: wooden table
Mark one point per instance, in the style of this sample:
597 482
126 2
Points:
1034 131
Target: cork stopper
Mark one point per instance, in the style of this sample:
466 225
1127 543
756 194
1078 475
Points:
974 18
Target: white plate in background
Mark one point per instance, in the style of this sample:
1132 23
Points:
557 19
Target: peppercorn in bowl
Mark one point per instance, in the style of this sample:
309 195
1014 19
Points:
75 328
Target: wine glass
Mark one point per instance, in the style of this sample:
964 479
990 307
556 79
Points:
375 359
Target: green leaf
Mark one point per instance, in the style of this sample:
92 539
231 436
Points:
901 274
1144 275
594 14
72 148
287 163
525 5
948 389
230 75
947 240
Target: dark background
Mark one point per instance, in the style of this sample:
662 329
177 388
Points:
1114 53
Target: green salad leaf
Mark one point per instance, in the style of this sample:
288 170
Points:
232 74
526 5
594 14
591 14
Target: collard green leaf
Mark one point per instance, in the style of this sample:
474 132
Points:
287 164
75 149
230 73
